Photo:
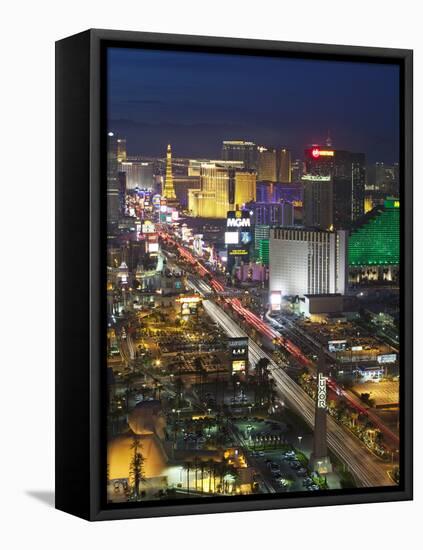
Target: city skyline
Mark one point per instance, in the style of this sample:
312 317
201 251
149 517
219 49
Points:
198 100
253 289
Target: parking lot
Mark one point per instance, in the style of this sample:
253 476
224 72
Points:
287 471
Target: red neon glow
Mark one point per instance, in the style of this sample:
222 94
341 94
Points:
315 153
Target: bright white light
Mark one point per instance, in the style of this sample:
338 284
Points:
231 237
275 298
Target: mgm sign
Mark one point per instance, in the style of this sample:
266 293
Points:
321 391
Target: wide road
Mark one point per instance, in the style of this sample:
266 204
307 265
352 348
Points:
368 470
297 335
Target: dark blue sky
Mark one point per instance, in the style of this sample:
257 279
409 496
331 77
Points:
196 100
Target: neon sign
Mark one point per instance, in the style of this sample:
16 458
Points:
321 391
316 153
238 222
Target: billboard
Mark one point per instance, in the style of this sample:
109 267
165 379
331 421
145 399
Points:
148 227
231 237
238 252
337 345
189 305
152 247
238 347
238 219
239 366
275 300
387 358
238 236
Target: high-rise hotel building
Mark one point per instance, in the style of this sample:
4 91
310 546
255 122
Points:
245 151
284 165
307 261
121 149
267 165
113 198
222 188
318 201
272 213
334 186
139 174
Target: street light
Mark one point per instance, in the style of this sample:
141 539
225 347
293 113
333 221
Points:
299 440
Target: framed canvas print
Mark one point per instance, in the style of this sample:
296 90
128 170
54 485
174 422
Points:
234 274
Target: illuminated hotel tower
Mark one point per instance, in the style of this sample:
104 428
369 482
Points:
319 459
168 189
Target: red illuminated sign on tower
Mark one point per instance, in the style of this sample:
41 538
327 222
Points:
315 152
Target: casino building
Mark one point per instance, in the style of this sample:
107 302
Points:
374 245
307 261
222 188
334 187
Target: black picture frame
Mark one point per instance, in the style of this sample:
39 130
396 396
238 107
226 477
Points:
80 273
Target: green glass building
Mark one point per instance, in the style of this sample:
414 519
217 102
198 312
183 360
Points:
260 232
264 251
375 240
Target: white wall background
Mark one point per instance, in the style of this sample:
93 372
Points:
28 31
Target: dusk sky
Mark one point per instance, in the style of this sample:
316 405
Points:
196 100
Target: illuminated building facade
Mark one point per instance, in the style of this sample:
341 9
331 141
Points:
194 166
245 186
121 149
122 190
264 251
284 165
261 232
297 170
168 189
239 150
267 165
221 189
319 161
182 185
318 201
138 174
307 261
383 178
349 180
341 201
113 198
374 244
272 213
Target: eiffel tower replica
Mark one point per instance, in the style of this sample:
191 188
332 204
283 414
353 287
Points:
168 191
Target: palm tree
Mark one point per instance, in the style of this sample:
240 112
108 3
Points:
202 476
136 467
196 470
188 466
212 475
